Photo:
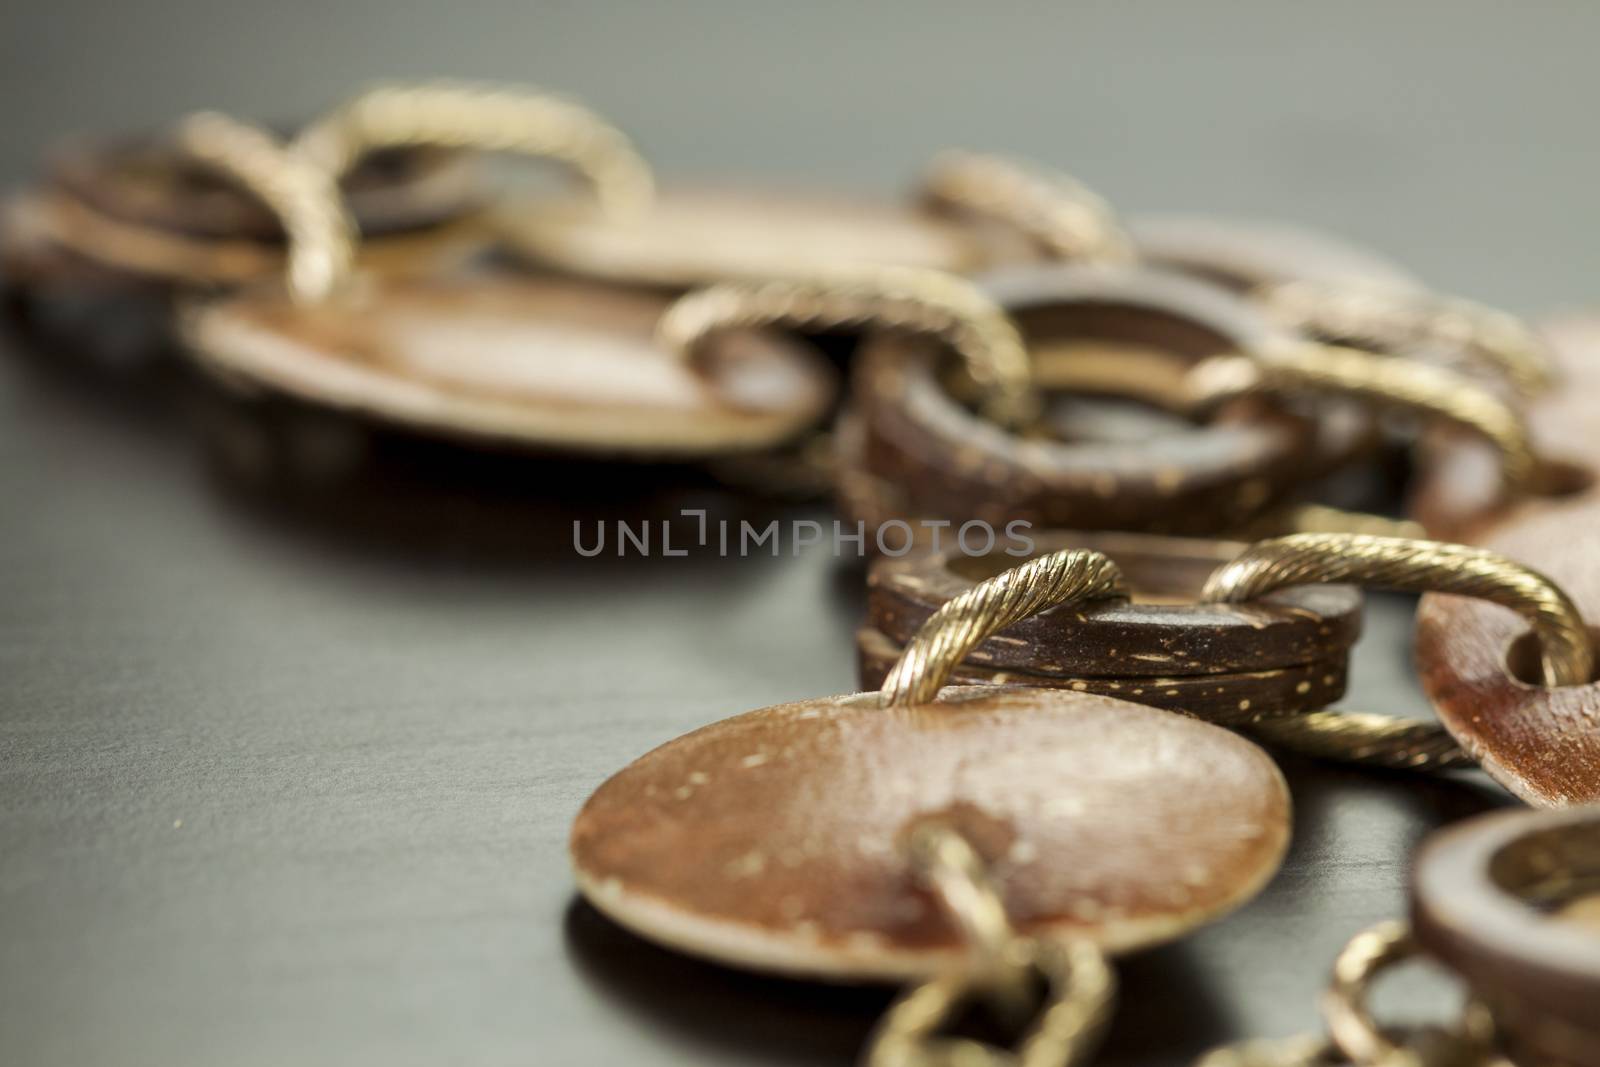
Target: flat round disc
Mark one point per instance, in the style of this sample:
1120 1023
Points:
700 236
776 840
518 359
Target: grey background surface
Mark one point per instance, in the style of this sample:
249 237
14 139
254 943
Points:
286 771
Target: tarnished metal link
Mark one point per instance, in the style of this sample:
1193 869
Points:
1401 321
1069 577
904 298
306 198
1054 210
1399 384
1417 567
491 118
1081 986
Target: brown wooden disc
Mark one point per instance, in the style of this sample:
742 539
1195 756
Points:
697 236
1479 666
1244 253
1458 494
149 182
1238 698
1502 900
775 840
1129 332
518 359
1161 632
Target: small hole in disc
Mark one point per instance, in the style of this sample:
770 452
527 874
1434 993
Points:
1523 661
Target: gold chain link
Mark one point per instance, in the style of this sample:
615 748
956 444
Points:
1354 1036
489 118
938 647
1417 567
1414 566
1081 985
1056 211
1419 388
1365 738
905 298
321 234
1388 319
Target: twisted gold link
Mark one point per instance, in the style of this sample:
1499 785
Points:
1365 738
1344 1003
1061 578
1062 215
1394 320
906 298
1417 567
1433 392
1082 988
321 234
490 118
1354 1036
952 867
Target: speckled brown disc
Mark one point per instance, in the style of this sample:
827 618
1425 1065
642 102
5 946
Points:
1137 332
1244 253
1509 902
517 359
775 840
1161 631
1233 699
699 236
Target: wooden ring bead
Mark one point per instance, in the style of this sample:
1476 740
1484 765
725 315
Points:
943 460
1511 902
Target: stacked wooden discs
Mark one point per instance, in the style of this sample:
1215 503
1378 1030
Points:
1232 664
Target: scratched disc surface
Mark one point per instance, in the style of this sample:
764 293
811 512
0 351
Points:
775 840
517 359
